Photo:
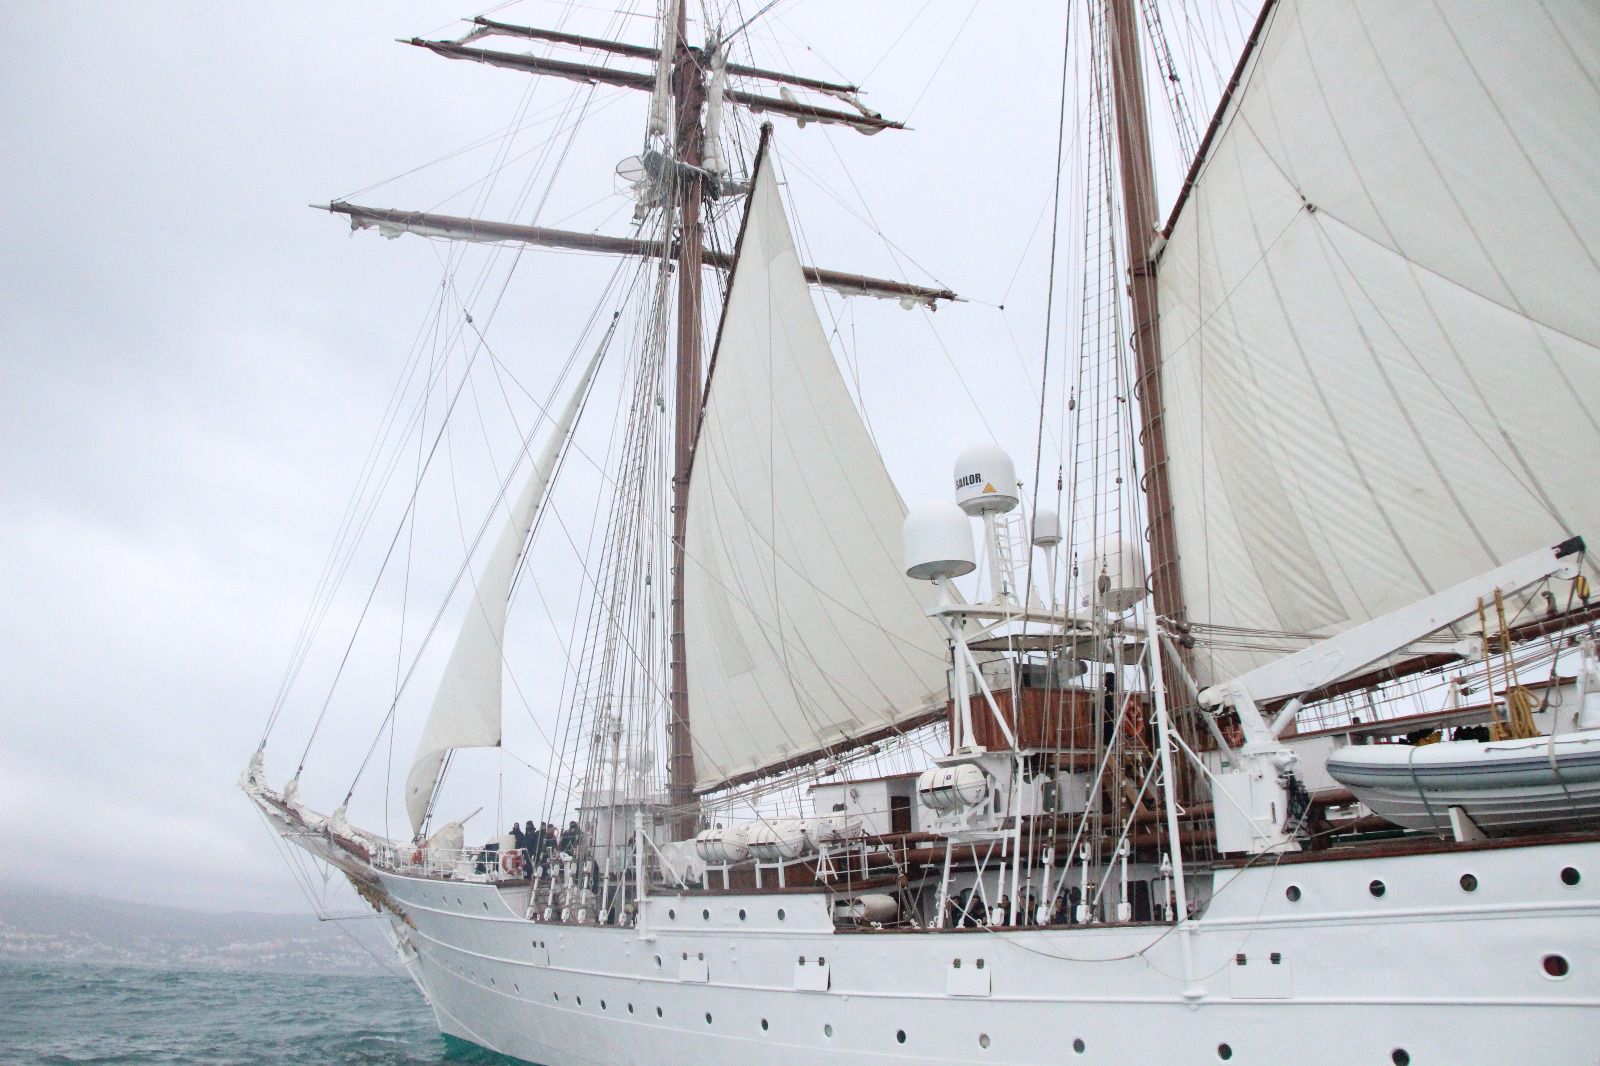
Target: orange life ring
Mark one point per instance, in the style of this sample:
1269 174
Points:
416 857
511 862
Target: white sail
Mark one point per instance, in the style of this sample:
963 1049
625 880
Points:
802 630
466 709
1380 312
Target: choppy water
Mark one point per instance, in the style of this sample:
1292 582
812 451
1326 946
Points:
79 1013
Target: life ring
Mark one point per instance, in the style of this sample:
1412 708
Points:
511 862
416 857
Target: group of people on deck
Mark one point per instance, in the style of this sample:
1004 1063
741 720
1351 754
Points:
538 842
968 910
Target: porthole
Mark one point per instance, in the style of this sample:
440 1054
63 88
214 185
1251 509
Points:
708 1017
1570 876
899 1036
1377 888
658 962
1292 893
741 914
781 915
556 996
1224 1052
630 1008
658 1012
485 904
983 1040
763 1025
1556 966
827 1031
1469 883
580 1001
672 914
516 988
1400 1057
492 984
602 1004
1078 1046
705 915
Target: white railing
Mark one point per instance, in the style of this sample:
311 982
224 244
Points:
467 864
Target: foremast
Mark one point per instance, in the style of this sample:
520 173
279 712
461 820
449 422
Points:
688 180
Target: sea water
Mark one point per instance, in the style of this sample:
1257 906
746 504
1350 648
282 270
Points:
82 1013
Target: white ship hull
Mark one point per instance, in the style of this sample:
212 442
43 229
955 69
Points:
1428 972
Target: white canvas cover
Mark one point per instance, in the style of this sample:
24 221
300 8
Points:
466 708
802 630
1380 312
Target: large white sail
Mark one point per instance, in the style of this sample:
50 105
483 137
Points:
466 709
1380 312
802 630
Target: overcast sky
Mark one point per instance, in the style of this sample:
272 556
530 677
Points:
195 362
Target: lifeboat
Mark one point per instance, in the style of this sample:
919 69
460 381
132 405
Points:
1502 785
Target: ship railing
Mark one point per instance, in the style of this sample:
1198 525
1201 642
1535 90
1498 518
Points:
465 864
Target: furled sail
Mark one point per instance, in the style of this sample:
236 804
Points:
802 631
1380 312
466 709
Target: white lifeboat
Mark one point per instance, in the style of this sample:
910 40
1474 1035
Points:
1501 785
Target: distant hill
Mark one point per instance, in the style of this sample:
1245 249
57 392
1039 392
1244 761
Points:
55 927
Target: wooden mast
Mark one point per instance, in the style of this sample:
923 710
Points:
1139 218
688 93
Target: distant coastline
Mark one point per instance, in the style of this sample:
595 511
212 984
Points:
42 927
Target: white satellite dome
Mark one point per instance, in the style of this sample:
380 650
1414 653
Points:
1046 529
986 480
938 542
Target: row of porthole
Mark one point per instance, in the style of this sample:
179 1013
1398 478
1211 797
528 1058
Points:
705 915
827 1030
1399 1056
1469 883
1555 966
446 900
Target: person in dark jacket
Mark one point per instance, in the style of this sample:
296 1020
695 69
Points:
569 838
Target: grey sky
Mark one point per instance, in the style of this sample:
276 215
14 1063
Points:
194 362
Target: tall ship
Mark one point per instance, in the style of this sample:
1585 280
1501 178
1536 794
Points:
1253 717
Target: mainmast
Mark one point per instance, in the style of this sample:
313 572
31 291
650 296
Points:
688 92
1139 217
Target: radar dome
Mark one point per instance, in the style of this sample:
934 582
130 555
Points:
1046 529
986 480
938 542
